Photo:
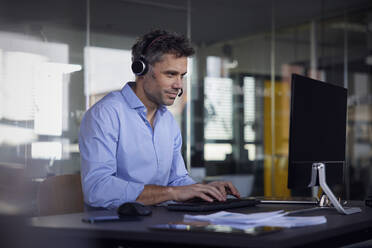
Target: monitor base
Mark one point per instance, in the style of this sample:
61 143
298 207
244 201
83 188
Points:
318 169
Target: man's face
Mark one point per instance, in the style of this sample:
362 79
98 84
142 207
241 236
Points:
164 79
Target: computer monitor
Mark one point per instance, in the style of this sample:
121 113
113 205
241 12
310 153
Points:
317 131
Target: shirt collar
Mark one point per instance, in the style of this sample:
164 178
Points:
133 100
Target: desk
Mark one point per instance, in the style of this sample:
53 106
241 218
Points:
339 230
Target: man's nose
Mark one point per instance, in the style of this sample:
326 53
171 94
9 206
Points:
178 83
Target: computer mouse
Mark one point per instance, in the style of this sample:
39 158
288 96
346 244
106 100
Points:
133 209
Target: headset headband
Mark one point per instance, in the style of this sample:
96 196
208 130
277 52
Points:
140 65
151 43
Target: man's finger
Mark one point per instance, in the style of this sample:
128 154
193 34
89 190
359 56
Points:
214 192
204 197
234 191
222 189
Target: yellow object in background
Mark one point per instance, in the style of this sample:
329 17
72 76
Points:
276 185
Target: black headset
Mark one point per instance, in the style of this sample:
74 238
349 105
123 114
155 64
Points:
140 66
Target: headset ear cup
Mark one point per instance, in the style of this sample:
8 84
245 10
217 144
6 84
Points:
140 67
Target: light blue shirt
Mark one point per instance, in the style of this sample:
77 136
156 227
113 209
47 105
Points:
121 152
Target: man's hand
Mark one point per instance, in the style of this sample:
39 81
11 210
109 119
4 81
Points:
226 188
208 192
153 194
203 191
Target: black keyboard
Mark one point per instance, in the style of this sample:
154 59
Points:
200 205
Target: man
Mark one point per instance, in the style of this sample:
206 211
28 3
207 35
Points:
130 143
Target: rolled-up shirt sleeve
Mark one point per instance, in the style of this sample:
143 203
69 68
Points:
98 141
178 174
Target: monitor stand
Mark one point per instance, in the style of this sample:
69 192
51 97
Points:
319 169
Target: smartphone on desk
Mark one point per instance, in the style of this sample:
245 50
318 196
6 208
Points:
103 218
97 218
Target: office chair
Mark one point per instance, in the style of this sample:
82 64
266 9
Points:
60 195
11 179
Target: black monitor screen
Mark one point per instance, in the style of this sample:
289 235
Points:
317 130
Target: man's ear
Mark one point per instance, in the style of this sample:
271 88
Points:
151 73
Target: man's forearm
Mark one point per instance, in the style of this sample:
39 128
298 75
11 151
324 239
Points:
154 194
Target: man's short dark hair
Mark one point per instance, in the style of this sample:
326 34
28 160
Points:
156 43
